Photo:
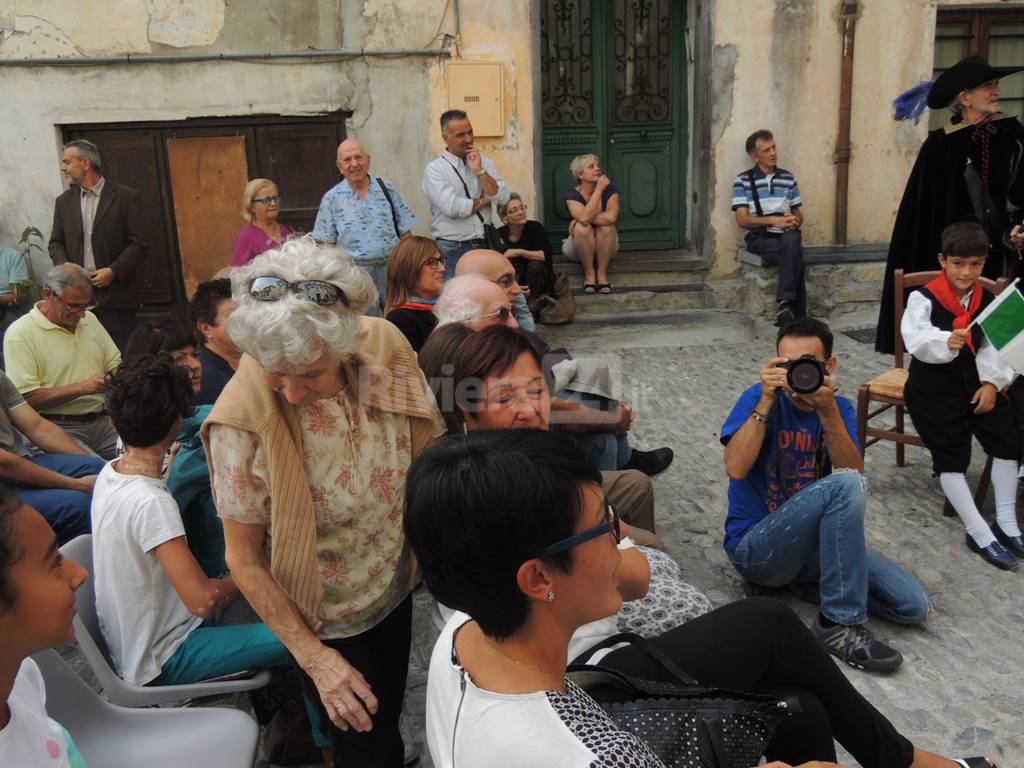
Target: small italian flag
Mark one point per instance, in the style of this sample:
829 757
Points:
1003 324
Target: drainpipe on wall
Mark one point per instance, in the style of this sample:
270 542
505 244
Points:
849 10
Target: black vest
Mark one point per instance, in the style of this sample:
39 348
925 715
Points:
962 367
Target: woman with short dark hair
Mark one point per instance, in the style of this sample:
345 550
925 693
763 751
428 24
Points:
511 529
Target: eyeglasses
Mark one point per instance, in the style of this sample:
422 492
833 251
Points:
322 294
435 261
268 200
505 281
510 211
610 525
76 306
502 314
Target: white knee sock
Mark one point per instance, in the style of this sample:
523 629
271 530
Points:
1004 482
954 485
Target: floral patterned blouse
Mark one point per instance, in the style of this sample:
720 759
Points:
356 459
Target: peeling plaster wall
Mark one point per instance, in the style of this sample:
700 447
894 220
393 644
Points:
395 103
776 65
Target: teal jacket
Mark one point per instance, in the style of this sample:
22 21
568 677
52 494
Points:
189 483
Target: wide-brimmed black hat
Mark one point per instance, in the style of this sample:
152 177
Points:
965 74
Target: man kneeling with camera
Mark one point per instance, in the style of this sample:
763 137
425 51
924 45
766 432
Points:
795 522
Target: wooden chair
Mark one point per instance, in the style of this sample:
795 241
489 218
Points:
887 388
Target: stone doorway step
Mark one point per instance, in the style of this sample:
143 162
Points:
643 281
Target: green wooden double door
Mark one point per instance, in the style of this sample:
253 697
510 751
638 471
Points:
613 83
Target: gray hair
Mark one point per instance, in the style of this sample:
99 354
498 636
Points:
579 163
447 117
66 275
293 330
503 207
85 150
459 300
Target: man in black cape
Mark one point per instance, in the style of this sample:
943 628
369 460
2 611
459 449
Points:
971 169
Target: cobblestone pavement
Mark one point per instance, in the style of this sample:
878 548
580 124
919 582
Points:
959 689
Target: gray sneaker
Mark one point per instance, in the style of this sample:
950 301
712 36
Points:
857 647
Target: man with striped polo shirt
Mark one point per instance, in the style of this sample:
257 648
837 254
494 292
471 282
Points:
766 200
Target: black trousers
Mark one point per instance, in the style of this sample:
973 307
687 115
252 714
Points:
787 251
381 654
760 645
119 323
941 412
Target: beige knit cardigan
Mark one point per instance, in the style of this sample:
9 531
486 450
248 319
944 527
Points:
386 376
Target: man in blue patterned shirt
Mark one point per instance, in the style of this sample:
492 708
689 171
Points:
363 215
766 200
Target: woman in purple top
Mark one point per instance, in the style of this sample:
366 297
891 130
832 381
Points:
594 206
261 203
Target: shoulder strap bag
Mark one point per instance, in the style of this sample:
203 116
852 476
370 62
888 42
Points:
394 213
686 724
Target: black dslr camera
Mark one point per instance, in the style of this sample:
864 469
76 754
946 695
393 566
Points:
806 374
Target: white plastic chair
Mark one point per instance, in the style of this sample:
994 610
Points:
94 648
121 737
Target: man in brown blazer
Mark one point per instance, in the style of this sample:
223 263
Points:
98 224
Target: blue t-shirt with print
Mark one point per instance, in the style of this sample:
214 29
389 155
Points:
792 457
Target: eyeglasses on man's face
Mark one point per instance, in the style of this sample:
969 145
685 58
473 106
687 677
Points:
269 288
76 306
268 200
502 313
505 281
435 262
610 525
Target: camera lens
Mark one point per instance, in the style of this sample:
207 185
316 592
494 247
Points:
805 376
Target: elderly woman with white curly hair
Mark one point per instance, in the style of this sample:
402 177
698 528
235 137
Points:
309 444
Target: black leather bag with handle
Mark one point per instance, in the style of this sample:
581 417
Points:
686 724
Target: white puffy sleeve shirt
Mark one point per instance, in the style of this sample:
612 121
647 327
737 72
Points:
929 344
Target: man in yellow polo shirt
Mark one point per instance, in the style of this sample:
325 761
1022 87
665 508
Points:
58 355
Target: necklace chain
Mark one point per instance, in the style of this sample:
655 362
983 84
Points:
525 664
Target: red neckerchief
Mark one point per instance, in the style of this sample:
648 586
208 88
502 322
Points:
416 305
942 290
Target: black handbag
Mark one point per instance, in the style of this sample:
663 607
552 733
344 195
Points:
686 724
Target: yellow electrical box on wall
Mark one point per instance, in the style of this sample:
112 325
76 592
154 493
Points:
475 88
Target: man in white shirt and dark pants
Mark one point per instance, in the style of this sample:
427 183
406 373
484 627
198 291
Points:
461 185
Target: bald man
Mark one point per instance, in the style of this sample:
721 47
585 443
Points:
474 301
499 270
364 215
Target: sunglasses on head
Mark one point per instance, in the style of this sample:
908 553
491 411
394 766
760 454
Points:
502 314
274 289
611 525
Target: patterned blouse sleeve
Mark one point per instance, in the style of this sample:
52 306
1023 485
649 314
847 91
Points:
238 475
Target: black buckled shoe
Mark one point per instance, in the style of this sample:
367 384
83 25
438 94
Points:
1013 543
994 554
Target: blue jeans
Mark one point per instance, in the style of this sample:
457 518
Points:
211 651
814 543
67 512
452 251
608 451
380 279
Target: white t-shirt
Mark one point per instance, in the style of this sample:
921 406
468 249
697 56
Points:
32 739
468 726
142 618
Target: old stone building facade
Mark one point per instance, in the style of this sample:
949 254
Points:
190 99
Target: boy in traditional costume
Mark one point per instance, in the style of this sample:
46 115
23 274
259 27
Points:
953 390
